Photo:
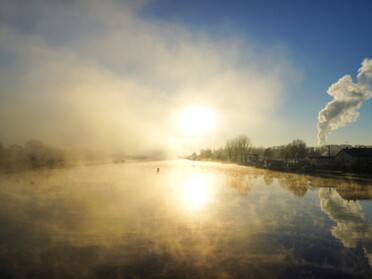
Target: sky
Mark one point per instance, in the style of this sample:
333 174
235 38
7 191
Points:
123 75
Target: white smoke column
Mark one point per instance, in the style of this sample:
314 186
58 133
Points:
347 99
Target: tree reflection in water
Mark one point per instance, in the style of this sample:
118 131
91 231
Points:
294 183
240 179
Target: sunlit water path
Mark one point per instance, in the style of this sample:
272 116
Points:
189 220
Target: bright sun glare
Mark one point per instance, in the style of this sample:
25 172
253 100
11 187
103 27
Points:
195 191
195 120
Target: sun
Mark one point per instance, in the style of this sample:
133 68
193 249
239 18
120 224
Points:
195 120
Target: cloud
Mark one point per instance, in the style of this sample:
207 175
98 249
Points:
94 74
347 99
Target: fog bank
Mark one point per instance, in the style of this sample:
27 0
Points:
100 75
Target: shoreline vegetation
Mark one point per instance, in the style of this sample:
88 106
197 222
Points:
292 157
36 155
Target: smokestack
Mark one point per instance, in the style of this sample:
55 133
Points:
347 99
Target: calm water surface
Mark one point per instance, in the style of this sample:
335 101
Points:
190 220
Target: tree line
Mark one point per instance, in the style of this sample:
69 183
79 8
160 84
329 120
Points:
34 155
241 151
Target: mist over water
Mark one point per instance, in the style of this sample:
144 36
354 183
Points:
93 92
190 219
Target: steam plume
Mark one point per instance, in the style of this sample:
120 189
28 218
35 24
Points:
347 99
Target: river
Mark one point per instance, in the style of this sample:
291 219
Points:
187 220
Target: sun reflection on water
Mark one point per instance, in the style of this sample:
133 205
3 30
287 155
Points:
196 191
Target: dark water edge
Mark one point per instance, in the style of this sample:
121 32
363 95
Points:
128 221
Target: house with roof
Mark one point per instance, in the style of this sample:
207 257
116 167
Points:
354 158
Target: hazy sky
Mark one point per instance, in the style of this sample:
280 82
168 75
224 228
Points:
117 74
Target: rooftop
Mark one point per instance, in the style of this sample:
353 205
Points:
358 152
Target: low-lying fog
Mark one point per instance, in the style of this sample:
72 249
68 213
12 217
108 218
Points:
189 219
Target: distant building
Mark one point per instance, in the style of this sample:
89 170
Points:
354 158
347 158
321 162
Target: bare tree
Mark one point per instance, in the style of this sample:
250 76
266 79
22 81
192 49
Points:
297 150
238 149
268 153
